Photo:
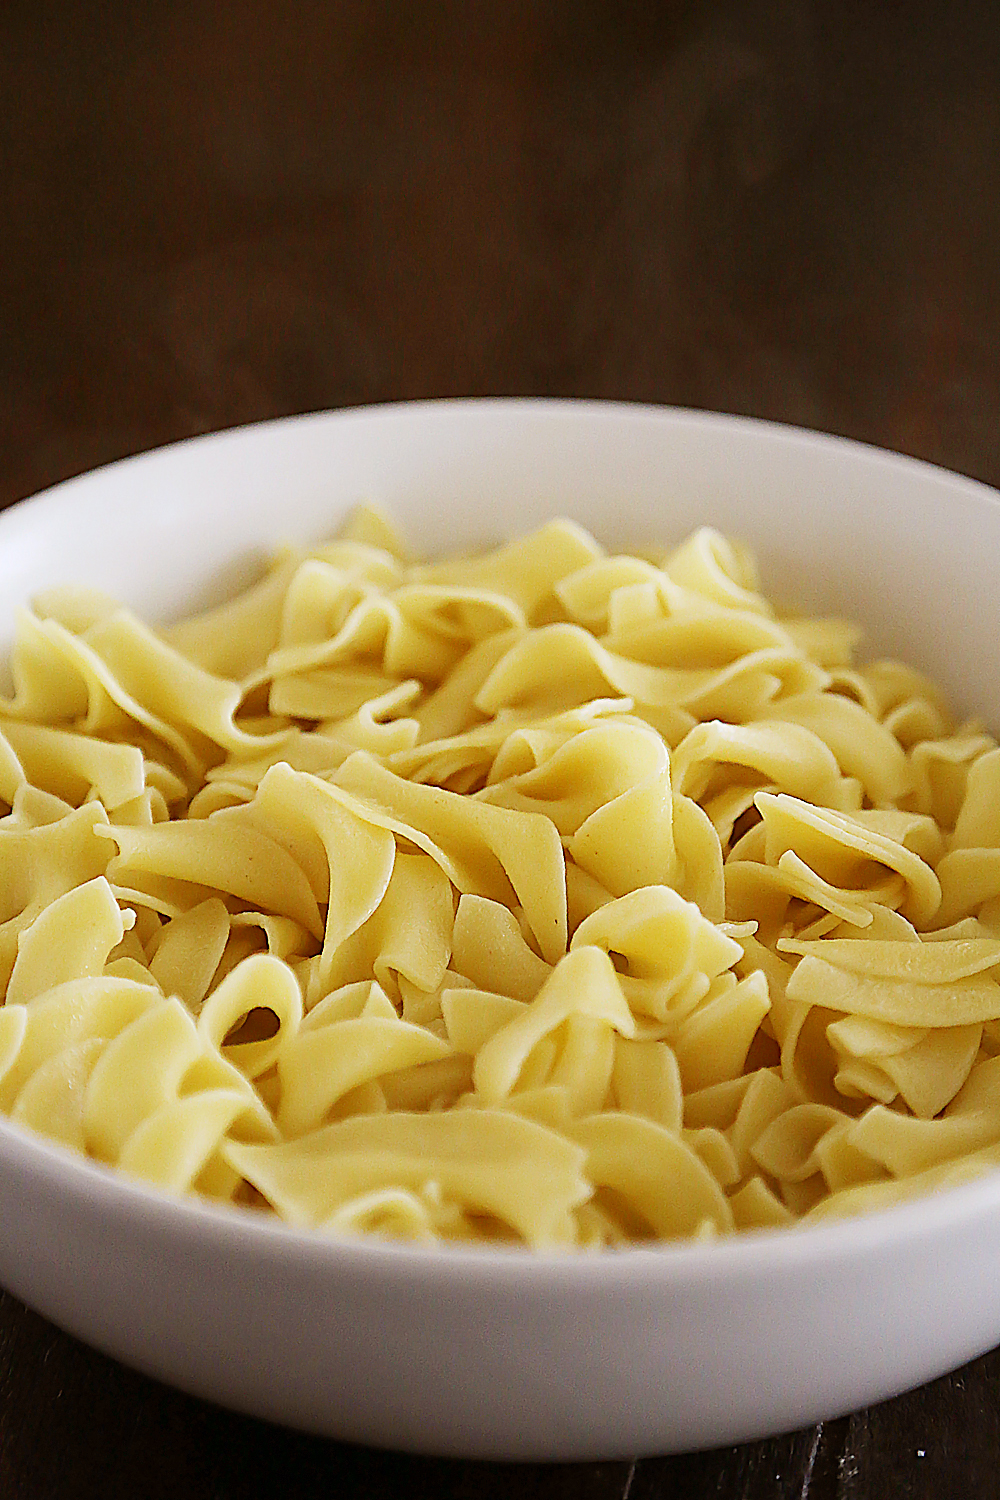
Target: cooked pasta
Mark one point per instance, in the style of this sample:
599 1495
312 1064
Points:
544 897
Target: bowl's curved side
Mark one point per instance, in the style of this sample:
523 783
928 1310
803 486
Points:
482 1355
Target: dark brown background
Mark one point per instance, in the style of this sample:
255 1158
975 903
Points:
215 213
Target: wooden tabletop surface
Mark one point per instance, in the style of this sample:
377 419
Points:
214 214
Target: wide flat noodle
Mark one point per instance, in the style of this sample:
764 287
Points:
495 1163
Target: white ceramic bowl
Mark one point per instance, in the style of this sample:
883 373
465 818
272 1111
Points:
506 1354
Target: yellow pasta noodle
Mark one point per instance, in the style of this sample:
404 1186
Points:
546 896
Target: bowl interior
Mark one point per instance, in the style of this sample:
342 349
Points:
837 527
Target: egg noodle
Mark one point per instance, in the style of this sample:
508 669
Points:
546 897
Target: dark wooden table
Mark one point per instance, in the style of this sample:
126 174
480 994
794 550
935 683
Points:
213 214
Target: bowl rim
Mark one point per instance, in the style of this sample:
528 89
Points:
788 433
